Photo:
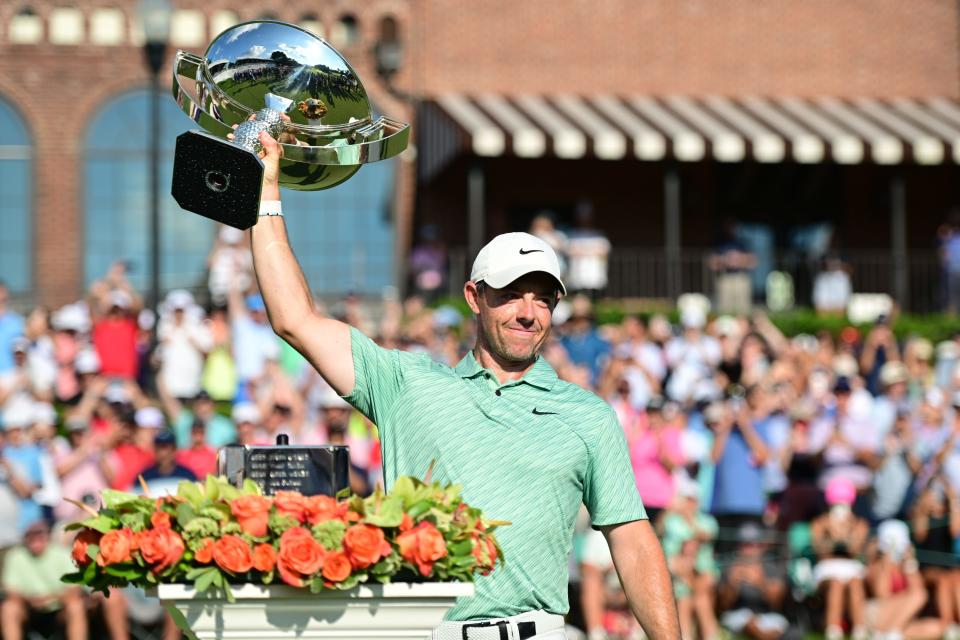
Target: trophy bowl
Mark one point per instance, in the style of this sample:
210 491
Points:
273 76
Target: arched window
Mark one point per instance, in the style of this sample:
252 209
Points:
16 187
347 31
343 237
117 197
26 27
388 50
313 24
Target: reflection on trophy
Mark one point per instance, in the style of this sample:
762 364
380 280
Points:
275 77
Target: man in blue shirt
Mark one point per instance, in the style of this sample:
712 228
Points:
220 430
582 341
165 475
21 462
740 453
11 327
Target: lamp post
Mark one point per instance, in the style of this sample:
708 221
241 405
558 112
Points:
155 19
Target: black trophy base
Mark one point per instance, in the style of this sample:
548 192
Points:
217 179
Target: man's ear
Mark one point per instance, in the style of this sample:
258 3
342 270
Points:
471 294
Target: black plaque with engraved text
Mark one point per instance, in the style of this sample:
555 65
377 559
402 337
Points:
314 470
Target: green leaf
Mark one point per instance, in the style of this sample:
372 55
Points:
205 580
419 509
102 523
352 581
228 591
389 514
387 566
185 513
357 505
212 489
93 550
190 491
343 494
452 492
467 561
193 574
135 521
316 584
462 548
113 499
403 488
228 492
181 621
72 578
125 570
267 578
251 488
89 572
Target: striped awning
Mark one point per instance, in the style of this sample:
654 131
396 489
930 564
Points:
768 130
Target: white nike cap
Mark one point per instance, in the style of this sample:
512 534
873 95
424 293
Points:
512 255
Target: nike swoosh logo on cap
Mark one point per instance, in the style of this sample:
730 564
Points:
524 252
543 413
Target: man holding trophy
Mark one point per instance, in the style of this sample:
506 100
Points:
526 446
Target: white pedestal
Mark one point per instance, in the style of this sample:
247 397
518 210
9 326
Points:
367 612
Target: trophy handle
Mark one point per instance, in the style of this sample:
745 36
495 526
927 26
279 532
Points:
188 65
382 139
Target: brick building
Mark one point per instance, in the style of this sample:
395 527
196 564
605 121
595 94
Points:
670 117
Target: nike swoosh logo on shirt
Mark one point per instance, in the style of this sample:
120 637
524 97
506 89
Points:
543 413
524 252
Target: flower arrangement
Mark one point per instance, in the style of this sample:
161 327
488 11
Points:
214 534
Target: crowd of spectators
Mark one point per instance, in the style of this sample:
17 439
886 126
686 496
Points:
797 483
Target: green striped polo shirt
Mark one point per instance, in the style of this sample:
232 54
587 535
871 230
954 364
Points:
529 451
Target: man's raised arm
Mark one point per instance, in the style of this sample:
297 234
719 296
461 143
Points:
323 341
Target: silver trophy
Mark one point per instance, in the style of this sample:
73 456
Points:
299 89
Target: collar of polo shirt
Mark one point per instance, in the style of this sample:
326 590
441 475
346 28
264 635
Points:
541 375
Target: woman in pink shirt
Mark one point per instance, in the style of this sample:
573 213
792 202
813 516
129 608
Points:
655 450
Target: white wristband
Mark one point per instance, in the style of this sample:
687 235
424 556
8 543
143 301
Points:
271 208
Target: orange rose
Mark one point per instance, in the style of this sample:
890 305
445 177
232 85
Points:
365 545
161 548
336 567
83 540
291 503
233 554
264 557
116 546
252 514
485 553
321 508
204 554
492 551
422 546
300 556
160 520
407 523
